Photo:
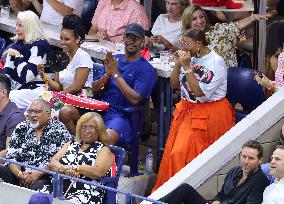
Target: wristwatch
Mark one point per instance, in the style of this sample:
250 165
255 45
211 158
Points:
116 75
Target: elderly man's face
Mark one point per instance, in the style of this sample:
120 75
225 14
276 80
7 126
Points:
38 115
277 163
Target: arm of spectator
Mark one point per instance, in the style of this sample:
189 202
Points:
19 5
161 40
37 5
111 67
55 85
61 8
102 34
243 23
216 202
81 77
54 164
102 164
174 80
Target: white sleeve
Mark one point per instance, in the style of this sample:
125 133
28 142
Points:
218 70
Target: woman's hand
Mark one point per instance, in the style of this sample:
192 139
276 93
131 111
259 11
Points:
264 81
12 52
111 64
158 39
185 58
40 70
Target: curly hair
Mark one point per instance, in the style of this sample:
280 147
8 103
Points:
73 22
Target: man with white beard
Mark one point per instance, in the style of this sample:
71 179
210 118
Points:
34 142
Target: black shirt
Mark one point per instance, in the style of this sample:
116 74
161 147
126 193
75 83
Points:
248 192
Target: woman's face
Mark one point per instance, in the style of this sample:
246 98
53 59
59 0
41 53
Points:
68 41
20 30
173 8
89 132
198 20
189 45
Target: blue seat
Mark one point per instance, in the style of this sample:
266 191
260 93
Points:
113 181
2 46
88 11
135 116
243 89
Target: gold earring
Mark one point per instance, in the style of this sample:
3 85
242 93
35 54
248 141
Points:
198 52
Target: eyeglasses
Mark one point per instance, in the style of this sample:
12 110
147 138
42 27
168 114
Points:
35 111
86 127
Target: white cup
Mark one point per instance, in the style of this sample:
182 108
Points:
165 56
5 11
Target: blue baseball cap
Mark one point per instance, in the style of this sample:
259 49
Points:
41 198
135 29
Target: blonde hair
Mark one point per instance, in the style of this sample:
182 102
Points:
103 137
32 27
186 18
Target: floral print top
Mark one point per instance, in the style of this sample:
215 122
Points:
222 38
24 146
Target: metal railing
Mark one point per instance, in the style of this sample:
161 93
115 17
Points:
58 184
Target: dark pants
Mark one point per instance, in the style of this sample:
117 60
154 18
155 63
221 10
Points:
184 194
7 176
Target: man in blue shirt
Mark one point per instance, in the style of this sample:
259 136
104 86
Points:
10 114
127 80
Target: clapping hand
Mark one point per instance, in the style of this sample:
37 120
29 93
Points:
111 64
184 58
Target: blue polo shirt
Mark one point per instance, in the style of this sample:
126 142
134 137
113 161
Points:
140 76
10 117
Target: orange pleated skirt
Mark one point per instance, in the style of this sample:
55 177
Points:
195 126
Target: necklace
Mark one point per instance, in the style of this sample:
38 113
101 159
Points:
84 146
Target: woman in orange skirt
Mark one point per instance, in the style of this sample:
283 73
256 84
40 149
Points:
203 114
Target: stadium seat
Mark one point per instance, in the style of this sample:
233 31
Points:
243 89
113 181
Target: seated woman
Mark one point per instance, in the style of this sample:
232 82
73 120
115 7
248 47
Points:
23 57
87 158
78 73
203 114
167 27
221 36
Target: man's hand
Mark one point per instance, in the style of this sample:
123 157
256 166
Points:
264 81
216 202
102 34
29 177
111 64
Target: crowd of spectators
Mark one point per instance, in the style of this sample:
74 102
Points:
75 142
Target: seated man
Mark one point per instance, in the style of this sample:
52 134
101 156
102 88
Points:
243 184
34 142
112 16
10 114
127 80
274 192
53 11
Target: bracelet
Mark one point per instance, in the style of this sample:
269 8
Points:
189 70
19 172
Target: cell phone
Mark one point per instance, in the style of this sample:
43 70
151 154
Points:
257 73
92 40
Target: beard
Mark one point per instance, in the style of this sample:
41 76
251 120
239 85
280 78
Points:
34 125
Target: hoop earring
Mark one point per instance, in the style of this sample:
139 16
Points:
198 52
